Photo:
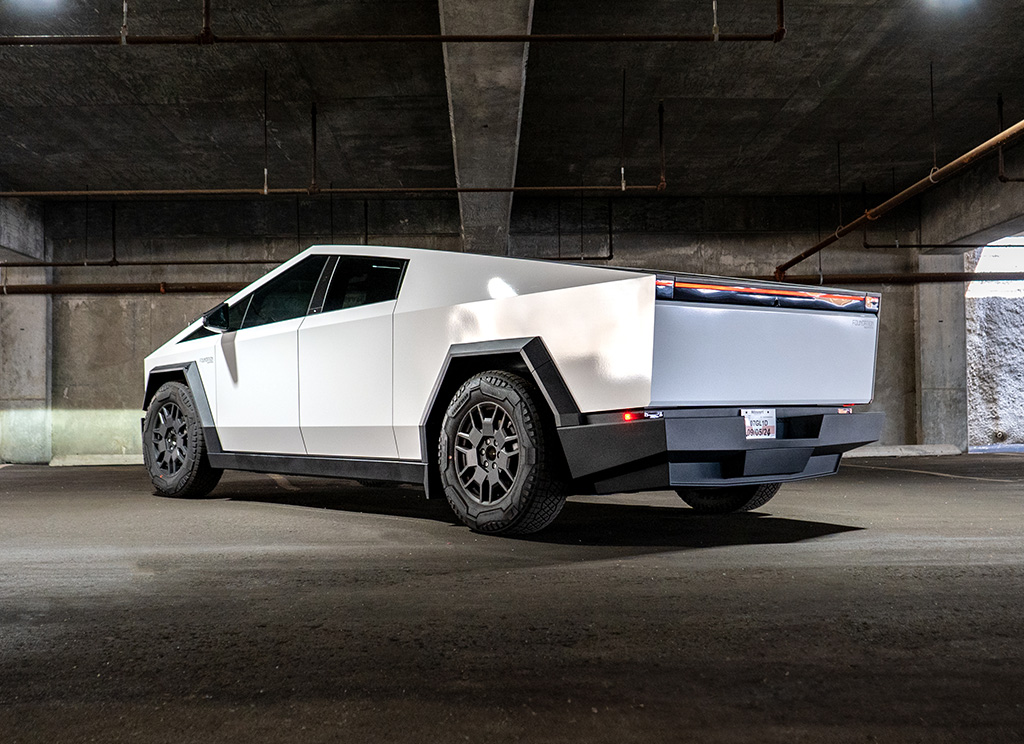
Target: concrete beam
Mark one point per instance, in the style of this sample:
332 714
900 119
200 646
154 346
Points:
974 208
25 345
21 228
485 85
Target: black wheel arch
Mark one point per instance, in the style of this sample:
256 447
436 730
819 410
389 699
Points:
186 373
527 357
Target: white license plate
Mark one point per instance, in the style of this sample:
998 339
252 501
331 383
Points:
759 423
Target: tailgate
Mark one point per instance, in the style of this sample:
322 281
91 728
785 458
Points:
720 342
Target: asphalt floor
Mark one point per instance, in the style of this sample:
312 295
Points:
883 604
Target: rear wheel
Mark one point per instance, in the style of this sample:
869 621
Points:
173 445
499 466
729 499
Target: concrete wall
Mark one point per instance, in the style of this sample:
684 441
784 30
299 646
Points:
98 341
975 208
744 237
24 339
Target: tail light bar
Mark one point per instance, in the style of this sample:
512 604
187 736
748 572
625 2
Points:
692 290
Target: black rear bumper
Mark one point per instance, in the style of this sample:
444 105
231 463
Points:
707 447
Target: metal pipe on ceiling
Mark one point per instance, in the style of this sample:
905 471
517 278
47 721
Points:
207 36
232 287
137 288
953 247
95 40
933 178
306 191
111 263
936 277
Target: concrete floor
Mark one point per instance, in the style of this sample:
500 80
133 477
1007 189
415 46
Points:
884 604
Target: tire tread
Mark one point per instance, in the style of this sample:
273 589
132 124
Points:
544 487
200 477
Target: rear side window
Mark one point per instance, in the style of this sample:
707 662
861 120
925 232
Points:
360 280
287 296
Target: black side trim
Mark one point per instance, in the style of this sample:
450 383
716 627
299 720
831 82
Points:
195 384
405 471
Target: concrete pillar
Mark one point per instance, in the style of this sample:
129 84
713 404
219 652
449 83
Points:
942 356
25 350
485 84
973 208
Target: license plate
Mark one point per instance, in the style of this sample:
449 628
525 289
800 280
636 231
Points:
759 423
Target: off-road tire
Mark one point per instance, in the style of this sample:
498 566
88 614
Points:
729 499
173 445
510 481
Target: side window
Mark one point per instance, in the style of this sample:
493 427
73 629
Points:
361 280
285 297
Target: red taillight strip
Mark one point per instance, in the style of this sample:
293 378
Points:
838 299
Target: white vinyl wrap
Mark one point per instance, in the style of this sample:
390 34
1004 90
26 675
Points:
720 355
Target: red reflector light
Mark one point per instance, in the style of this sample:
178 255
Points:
629 416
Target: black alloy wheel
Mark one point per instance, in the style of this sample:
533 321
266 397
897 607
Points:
487 452
173 445
170 440
499 462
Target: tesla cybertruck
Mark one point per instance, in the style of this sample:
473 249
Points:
507 384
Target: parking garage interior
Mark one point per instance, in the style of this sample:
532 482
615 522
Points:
155 157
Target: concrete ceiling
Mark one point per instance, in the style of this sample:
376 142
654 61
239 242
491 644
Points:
741 118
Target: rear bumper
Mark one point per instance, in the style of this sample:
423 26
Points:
707 448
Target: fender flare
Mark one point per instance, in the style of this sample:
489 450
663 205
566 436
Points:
195 384
530 357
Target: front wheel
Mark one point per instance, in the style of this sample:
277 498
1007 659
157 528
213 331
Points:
173 445
500 467
729 499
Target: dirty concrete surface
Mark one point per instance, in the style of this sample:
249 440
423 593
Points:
883 604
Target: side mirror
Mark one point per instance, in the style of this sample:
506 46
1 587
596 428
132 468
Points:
216 320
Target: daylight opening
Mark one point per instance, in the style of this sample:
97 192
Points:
995 349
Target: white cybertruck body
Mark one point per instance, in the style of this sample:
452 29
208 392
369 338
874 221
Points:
509 383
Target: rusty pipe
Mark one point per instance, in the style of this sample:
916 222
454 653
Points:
933 178
207 36
147 288
780 21
232 287
201 38
938 277
113 193
110 263
934 246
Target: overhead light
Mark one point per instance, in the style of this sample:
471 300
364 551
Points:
950 4
32 5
